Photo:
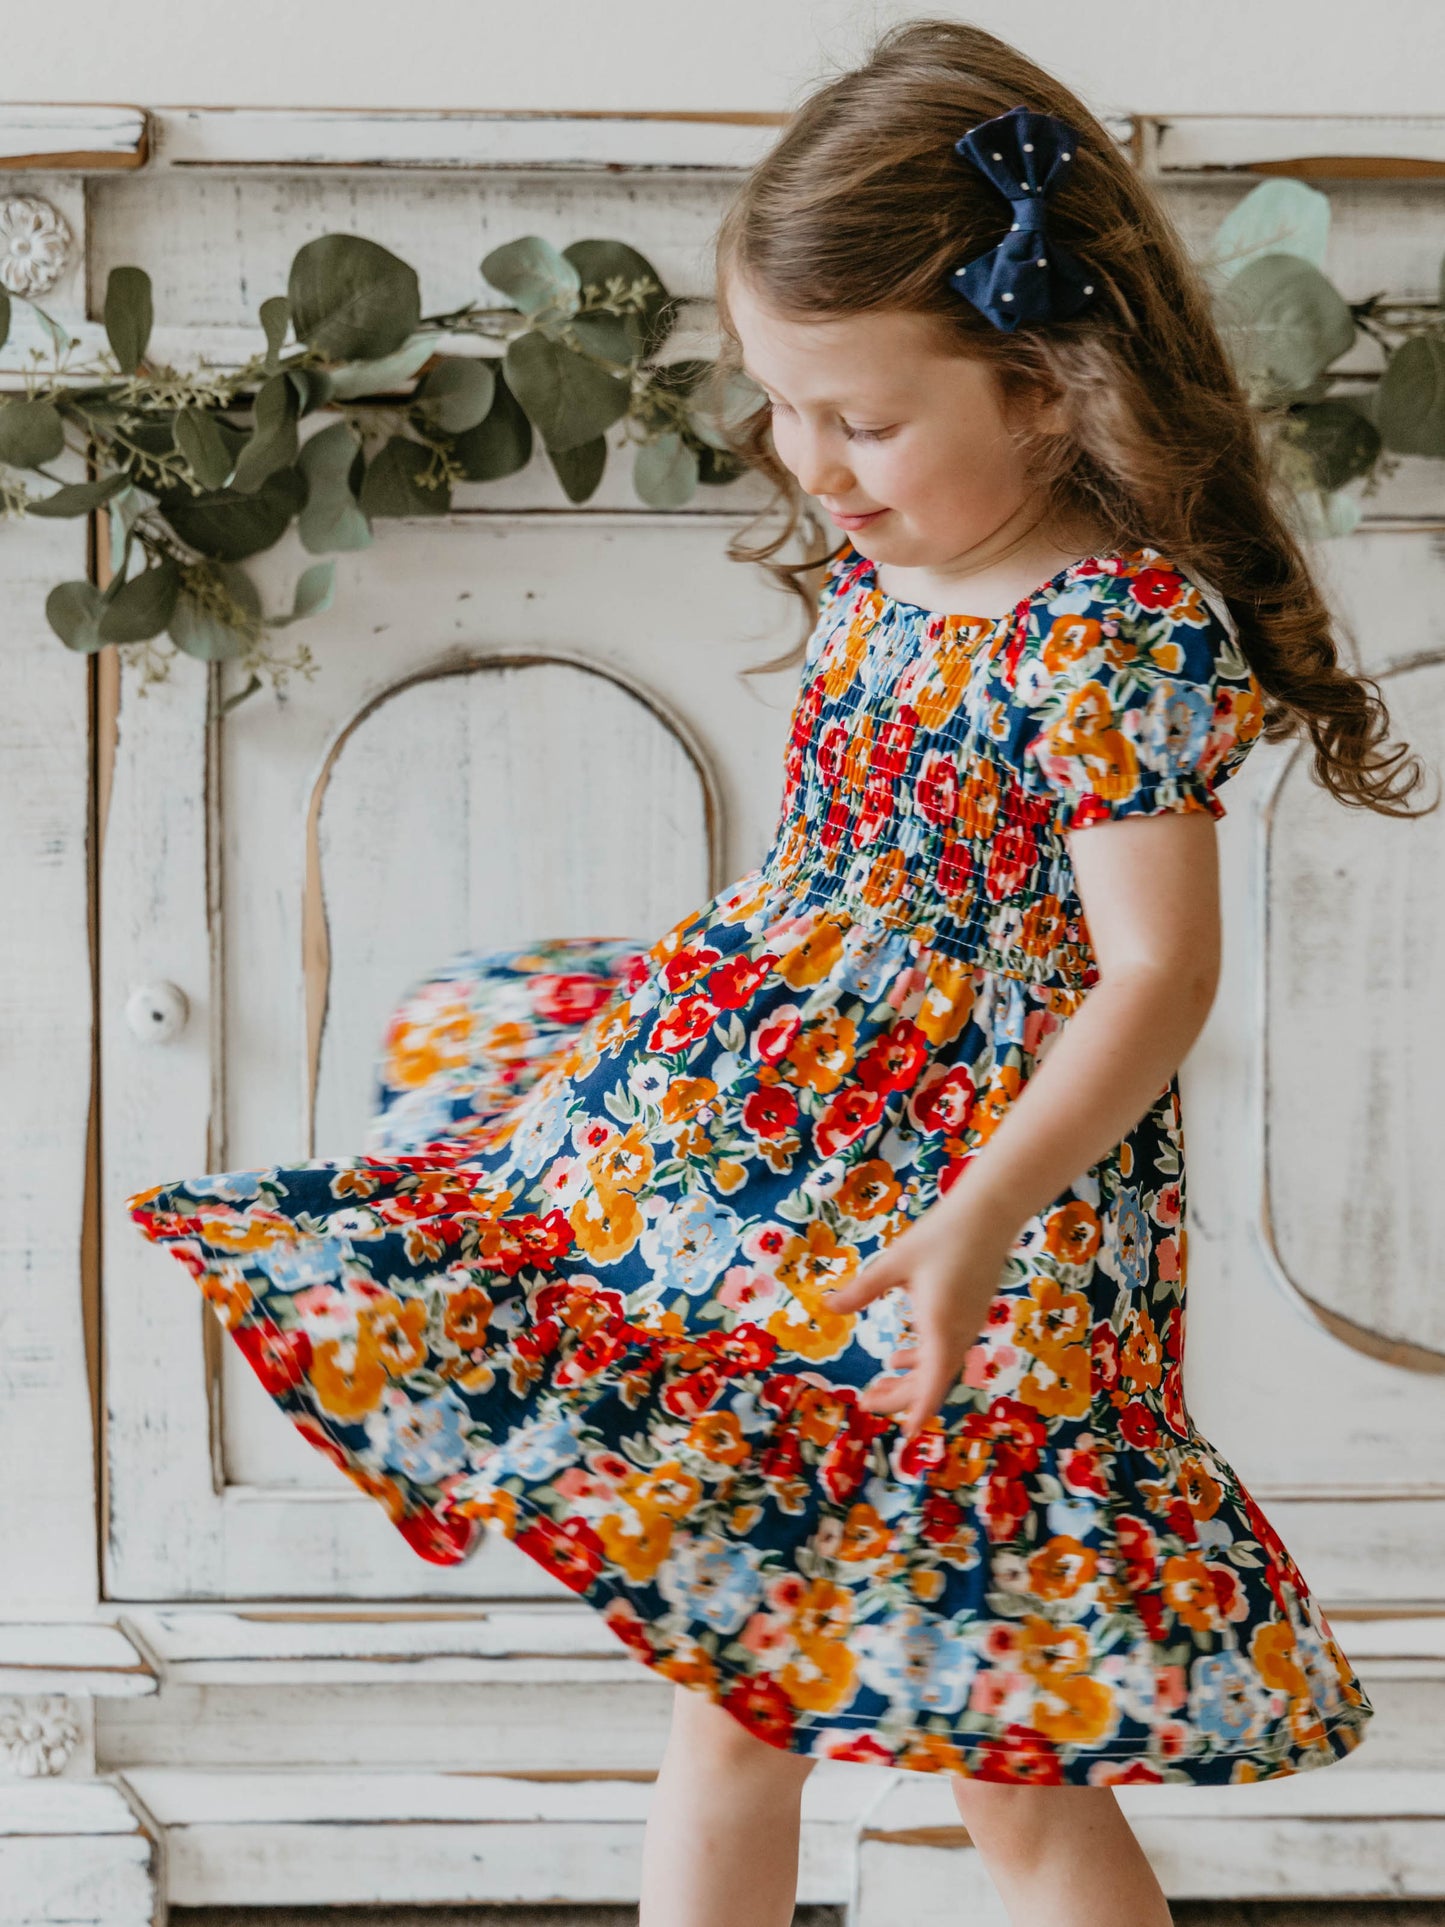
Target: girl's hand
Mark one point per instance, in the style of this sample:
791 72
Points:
951 1272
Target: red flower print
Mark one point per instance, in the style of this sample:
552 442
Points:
685 1023
1156 588
955 868
1104 1345
570 999
894 1059
763 1708
1081 1467
279 1359
1139 1425
733 984
828 756
770 1110
444 1538
687 967
777 1034
945 1099
571 1552
891 745
1012 858
850 1112
935 788
1020 1756
1139 1550
834 826
1005 1506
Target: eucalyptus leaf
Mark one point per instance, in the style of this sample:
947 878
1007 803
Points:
241 589
275 319
4 317
31 433
385 376
391 485
1288 321
502 443
227 524
1338 440
1410 398
60 338
273 442
129 315
1325 516
457 393
715 467
142 607
598 261
78 498
579 469
532 274
73 611
352 299
333 464
664 472
204 446
610 337
315 593
568 400
1279 216
199 633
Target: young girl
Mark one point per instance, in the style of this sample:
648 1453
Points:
806 1289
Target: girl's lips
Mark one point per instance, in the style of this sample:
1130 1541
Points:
857 521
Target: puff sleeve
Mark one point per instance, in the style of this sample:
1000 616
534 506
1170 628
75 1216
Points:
1139 702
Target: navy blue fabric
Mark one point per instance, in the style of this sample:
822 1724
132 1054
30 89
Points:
1029 277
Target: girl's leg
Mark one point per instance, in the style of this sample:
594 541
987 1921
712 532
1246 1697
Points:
721 1846
1060 1856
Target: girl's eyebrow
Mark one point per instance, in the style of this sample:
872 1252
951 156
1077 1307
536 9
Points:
894 401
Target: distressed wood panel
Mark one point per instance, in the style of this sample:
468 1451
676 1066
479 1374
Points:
377 1836
75 1855
46 1434
1356 1055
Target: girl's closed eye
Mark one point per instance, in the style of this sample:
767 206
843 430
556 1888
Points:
853 434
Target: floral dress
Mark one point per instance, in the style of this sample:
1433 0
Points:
573 1288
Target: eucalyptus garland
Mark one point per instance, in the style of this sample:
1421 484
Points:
199 472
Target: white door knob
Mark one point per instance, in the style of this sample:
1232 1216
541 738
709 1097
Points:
157 1012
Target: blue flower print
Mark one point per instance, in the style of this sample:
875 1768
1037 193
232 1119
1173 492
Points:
719 1583
690 1245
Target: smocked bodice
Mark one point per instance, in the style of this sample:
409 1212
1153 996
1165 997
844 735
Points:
934 762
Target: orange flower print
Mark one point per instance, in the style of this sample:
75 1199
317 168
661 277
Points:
1051 1320
1071 1232
1058 1387
822 1053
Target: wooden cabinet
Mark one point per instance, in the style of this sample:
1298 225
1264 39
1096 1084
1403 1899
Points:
528 719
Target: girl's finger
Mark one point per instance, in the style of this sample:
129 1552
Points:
884 1394
905 1355
927 1384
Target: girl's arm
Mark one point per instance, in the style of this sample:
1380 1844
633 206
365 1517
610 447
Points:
1150 893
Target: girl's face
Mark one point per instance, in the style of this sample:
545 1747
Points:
905 446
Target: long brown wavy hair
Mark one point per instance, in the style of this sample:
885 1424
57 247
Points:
862 205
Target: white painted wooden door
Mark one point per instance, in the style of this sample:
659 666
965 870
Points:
521 728
437 786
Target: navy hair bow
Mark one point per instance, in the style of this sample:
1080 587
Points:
1028 277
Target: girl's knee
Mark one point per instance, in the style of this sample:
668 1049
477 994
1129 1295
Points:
1011 1817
